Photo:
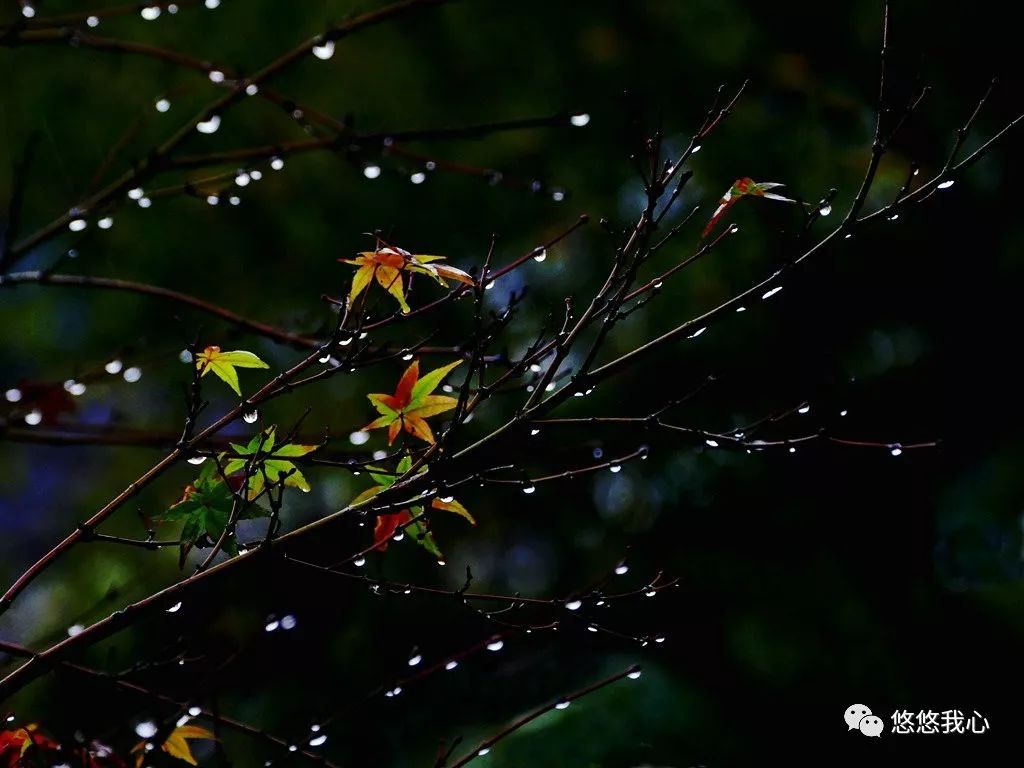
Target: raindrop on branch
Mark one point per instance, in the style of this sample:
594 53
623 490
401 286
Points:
105 223
250 418
77 225
496 644
34 417
634 674
580 120
276 163
540 255
574 605
324 51
826 209
174 608
563 704
162 105
772 292
93 21
418 178
371 171
209 125
150 13
451 665
216 76
197 460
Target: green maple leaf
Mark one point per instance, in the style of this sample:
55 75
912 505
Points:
269 462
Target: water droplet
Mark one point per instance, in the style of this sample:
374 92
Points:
195 711
252 89
216 76
592 628
895 450
418 178
659 639
442 563
772 292
242 178
826 209
276 163
234 200
615 468
145 729
211 4
712 443
93 21
451 665
540 254
272 625
483 751
946 184
162 105
12 395
77 225
496 644
574 605
324 51
105 223
529 489
34 417
289 622
136 193
580 120
489 285
407 357
651 593
741 308
250 418
534 432
843 412
359 562
210 125
371 171
415 659
563 704
359 437
150 13
634 674
293 748
847 236
175 608
695 150
734 229
621 569
697 333
379 454
792 449
28 11
894 217
317 741
804 409
558 195
180 722
315 728
212 199
76 629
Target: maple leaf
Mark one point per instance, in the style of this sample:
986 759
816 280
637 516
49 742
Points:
390 522
223 364
16 742
176 745
271 462
412 403
387 264
745 187
205 507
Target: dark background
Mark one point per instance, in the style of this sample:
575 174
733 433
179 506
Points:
809 581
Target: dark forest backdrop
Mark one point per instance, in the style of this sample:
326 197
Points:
808 580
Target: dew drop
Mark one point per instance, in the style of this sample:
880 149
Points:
180 722
93 21
150 13
252 89
483 751
496 644
255 175
293 748
651 593
621 569
317 741
772 292
242 178
634 675
162 105
234 200
210 125
28 11
211 4
77 225
415 659
272 625
175 608
540 255
894 217
580 119
843 412
136 193
592 628
145 729
359 562
145 202
250 418
558 195
659 639
76 629
804 409
946 184
289 622
792 449
695 150
711 443
379 455
418 178
12 395
276 163
529 489
534 432
105 223
825 210
563 704
216 76
574 605
197 460
489 285
451 665
195 711
212 199
741 308
734 229
615 468
324 51
697 333
133 374
359 437
896 450
371 171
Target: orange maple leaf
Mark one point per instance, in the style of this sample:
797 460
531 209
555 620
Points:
387 263
412 403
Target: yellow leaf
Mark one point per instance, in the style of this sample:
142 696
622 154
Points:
223 364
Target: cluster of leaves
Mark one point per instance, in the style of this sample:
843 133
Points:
207 504
223 364
415 523
29 746
741 188
387 264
